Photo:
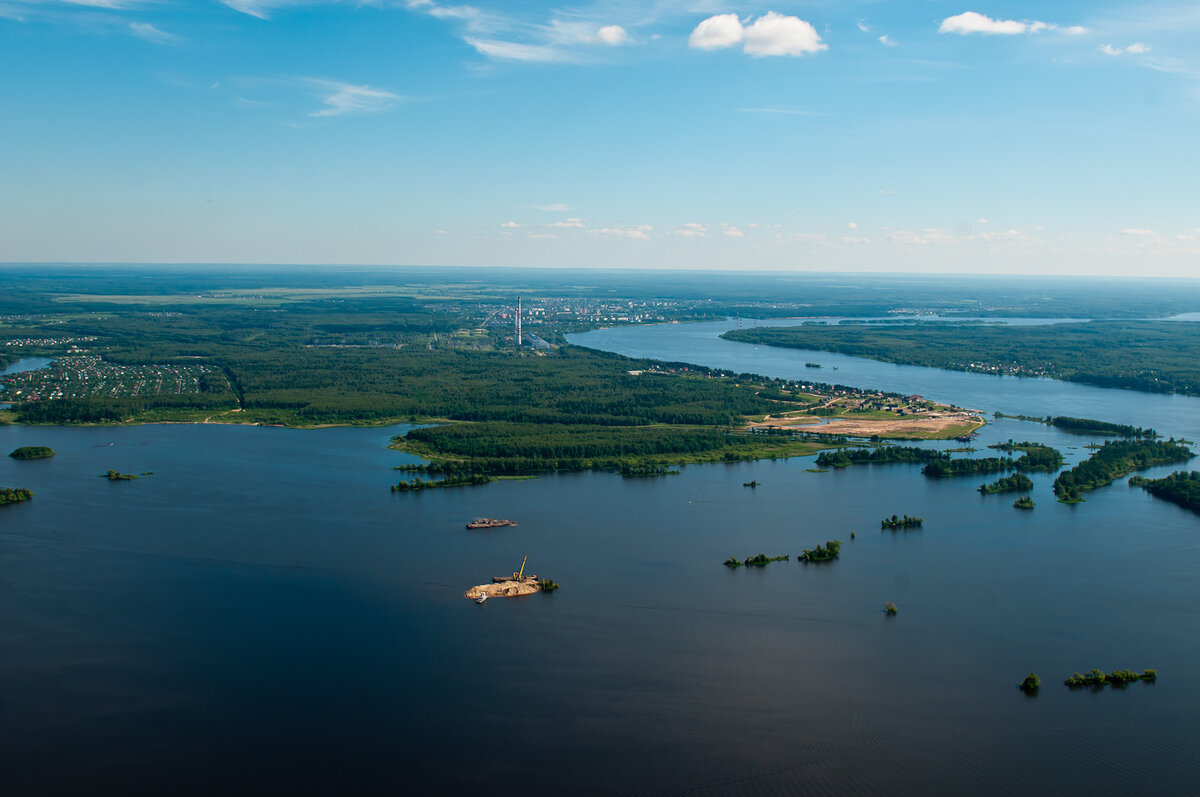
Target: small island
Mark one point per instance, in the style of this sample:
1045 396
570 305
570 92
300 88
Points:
13 495
490 523
33 452
1031 683
754 561
417 484
1024 502
822 553
115 476
1099 679
754 483
896 522
1016 483
890 609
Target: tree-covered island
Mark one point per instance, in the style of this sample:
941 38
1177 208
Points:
1180 488
33 452
822 553
758 560
13 495
1113 460
1016 483
897 522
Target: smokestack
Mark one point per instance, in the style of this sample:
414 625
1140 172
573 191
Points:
519 322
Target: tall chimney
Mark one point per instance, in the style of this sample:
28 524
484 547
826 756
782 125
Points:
519 322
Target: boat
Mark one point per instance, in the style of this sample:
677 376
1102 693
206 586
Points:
490 523
482 598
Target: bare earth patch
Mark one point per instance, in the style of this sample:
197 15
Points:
931 425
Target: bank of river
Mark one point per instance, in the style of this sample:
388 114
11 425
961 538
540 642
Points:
264 615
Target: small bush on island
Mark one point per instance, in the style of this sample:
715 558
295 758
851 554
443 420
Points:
32 452
1031 683
822 553
1024 502
754 561
896 522
12 495
890 609
547 585
115 476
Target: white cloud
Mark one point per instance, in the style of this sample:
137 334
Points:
612 35
556 207
514 51
1138 233
733 232
770 34
973 22
150 33
691 230
638 233
541 236
342 99
852 226
715 33
568 223
887 42
776 34
862 25
1137 48
510 225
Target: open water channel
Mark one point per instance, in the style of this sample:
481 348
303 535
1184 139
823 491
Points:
263 614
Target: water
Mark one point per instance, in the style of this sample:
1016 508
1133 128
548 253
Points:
263 614
25 364
699 343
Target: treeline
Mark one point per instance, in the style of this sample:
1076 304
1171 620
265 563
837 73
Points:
964 467
1138 355
1092 426
1113 460
844 457
113 410
1180 487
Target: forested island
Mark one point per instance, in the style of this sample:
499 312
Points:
1034 456
822 553
116 476
1139 355
844 457
418 484
1180 488
12 495
32 452
1016 483
1113 460
1024 502
1099 679
942 468
759 560
896 522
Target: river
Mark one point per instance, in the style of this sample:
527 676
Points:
259 613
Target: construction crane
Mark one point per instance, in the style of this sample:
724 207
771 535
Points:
519 575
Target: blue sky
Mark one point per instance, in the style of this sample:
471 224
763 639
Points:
873 136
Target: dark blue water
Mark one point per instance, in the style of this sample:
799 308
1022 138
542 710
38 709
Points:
263 614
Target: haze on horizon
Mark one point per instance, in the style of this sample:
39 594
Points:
1002 138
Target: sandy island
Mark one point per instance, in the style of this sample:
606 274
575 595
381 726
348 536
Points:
505 589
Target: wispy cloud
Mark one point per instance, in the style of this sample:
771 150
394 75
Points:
970 22
342 99
556 207
145 30
1137 48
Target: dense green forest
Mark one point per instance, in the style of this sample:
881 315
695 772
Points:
942 468
883 454
1034 456
1180 487
1154 356
1092 426
1113 460
32 452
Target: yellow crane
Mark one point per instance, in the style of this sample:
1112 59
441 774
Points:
519 575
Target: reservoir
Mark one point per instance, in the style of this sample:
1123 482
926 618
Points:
263 614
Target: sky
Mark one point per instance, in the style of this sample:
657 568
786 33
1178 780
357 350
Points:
918 136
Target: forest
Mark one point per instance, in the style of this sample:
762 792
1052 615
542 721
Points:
1113 460
1152 356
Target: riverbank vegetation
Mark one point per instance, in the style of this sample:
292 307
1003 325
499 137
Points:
12 495
1016 483
1180 488
822 553
1139 355
896 522
417 484
32 452
1113 460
